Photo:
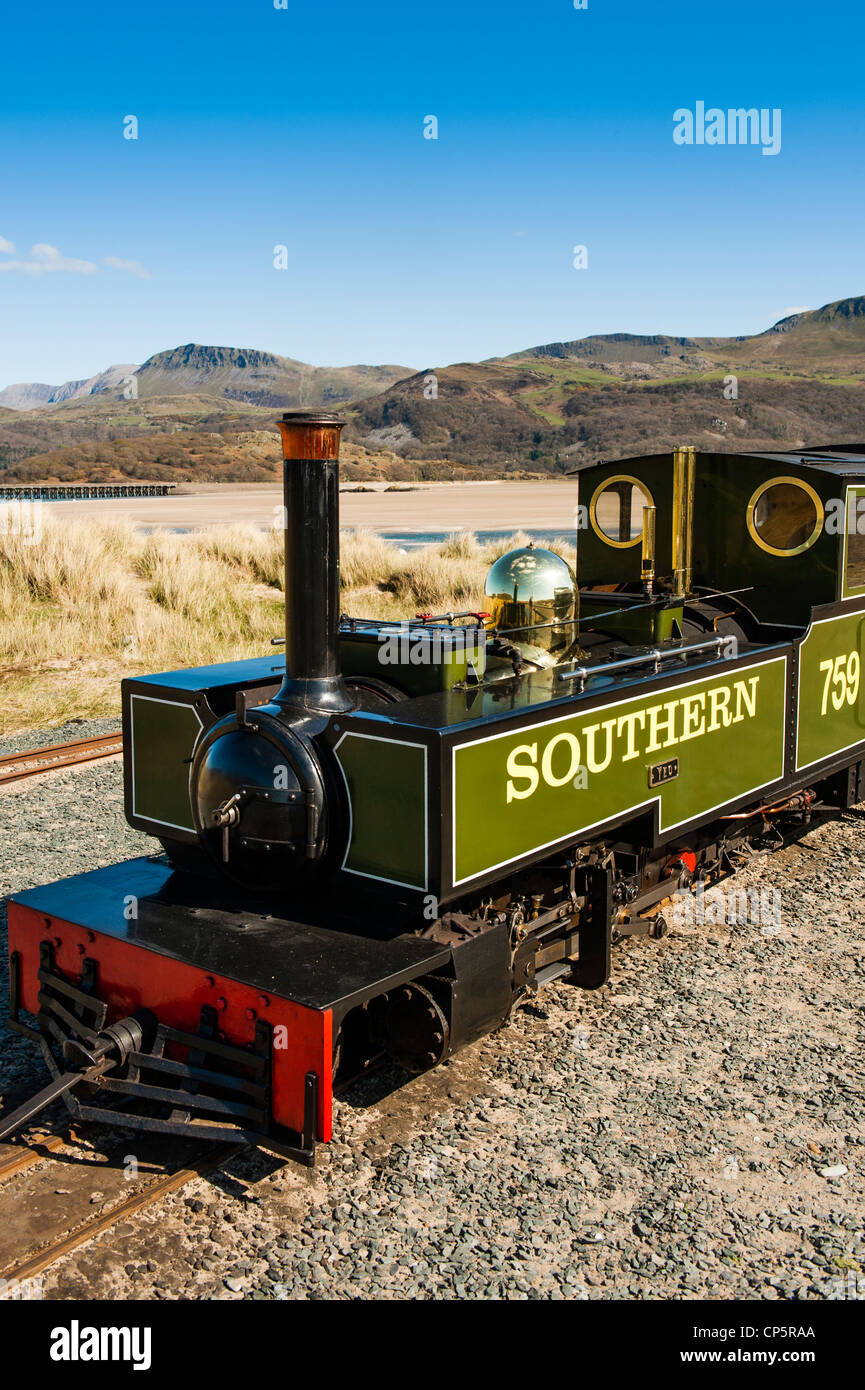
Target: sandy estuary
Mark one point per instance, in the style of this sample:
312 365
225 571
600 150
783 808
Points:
421 509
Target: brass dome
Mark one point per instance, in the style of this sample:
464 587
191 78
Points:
534 601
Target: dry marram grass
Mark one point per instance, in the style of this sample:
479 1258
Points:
88 603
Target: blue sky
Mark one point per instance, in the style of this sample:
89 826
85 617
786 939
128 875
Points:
303 127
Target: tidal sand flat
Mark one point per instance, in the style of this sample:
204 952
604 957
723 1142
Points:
419 507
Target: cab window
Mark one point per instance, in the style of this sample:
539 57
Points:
616 510
785 516
854 543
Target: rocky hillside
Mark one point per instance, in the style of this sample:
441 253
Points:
830 339
546 407
244 375
508 424
250 377
100 421
214 448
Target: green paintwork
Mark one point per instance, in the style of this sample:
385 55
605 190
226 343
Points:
718 763
668 623
163 736
403 662
648 623
824 728
386 782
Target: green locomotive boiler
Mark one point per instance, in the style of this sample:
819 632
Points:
375 847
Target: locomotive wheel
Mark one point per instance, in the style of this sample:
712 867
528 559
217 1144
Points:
416 1032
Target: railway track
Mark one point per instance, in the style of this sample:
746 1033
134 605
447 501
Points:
35 1151
14 767
32 1244
40 1229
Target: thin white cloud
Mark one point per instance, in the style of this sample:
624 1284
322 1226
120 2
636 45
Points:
796 309
45 259
133 267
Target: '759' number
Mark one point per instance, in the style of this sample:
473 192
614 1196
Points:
842 675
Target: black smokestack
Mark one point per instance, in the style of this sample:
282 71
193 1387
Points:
310 445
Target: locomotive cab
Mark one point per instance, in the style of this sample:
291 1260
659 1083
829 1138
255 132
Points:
776 534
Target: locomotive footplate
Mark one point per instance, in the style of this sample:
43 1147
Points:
213 1021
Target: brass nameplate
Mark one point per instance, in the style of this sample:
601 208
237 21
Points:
664 772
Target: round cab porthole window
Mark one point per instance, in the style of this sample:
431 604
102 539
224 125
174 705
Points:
616 510
785 516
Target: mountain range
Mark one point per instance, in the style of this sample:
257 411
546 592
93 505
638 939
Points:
30 395
245 375
207 413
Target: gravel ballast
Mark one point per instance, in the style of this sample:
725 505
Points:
63 733
693 1130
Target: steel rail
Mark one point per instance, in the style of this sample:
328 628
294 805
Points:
32 762
40 1259
36 1151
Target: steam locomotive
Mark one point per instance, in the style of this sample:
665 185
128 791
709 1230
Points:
374 849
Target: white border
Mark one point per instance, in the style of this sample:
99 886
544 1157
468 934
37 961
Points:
156 700
625 810
836 618
403 743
